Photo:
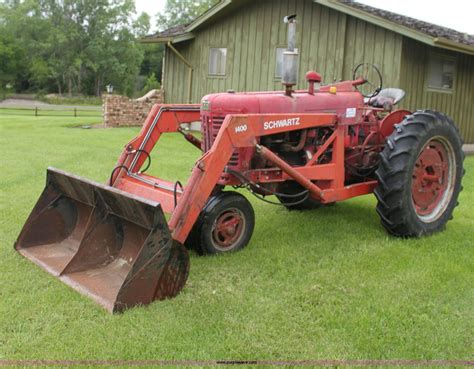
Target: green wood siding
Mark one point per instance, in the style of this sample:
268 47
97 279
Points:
458 104
366 43
329 42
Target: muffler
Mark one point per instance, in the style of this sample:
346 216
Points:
107 244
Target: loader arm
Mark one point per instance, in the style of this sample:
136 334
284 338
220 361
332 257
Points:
161 119
127 174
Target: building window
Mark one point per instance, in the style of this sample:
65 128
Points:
441 72
217 61
279 62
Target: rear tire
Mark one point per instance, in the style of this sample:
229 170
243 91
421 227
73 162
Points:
225 225
294 188
420 175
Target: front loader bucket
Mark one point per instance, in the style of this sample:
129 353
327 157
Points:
107 244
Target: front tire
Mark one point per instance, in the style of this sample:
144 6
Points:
420 175
225 225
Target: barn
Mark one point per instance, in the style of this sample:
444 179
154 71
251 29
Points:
238 45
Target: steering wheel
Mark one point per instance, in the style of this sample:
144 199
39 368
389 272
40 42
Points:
373 79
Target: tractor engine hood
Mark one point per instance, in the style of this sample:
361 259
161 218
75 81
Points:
344 103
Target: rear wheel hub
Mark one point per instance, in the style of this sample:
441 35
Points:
433 179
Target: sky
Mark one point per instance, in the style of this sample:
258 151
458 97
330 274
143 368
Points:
458 15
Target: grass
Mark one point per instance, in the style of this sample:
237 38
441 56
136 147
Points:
325 284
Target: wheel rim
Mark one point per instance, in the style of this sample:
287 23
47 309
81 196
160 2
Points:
433 179
228 229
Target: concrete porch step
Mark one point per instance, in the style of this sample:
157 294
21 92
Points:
468 149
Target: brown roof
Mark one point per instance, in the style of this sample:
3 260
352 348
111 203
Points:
170 32
173 31
430 29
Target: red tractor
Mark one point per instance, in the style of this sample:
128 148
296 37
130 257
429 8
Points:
309 148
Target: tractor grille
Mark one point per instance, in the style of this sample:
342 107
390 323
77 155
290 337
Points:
210 129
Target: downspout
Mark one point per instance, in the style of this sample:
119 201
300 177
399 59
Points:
163 74
190 68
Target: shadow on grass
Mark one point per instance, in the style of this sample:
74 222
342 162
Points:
98 125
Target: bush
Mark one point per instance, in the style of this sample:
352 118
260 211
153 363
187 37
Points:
151 84
5 91
74 100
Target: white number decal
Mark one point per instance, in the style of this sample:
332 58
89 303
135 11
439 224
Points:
240 129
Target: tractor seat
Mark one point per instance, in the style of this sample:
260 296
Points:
391 96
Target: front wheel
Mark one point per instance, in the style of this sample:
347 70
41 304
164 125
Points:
420 175
225 225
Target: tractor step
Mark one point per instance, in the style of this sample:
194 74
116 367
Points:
107 244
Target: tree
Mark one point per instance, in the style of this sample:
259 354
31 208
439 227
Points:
11 56
77 46
178 12
101 36
152 60
21 29
111 50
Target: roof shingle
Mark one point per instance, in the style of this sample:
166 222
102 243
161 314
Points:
170 32
430 29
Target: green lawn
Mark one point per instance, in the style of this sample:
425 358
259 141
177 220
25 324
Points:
326 284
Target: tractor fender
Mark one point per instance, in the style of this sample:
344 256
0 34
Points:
387 124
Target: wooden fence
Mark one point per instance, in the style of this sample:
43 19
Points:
45 112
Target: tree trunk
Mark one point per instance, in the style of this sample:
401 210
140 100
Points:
79 82
69 86
98 89
59 87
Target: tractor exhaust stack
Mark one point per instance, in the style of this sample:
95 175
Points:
290 57
107 244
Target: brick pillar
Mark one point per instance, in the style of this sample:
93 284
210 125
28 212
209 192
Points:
120 111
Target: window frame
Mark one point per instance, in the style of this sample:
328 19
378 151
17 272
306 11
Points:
444 58
216 75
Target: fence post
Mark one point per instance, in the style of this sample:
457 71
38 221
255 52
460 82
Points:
36 111
75 112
